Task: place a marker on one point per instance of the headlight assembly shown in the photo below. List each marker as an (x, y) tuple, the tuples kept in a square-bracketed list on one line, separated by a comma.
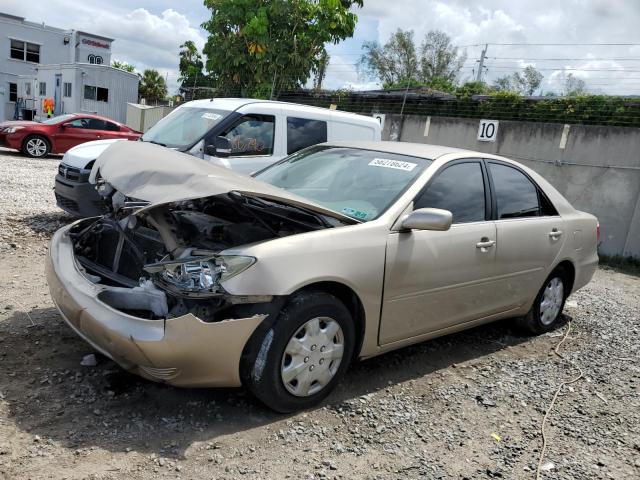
[(198, 276), (12, 129)]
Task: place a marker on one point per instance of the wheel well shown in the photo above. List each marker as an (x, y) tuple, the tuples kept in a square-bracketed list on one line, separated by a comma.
[(568, 267), (44, 137), (350, 300)]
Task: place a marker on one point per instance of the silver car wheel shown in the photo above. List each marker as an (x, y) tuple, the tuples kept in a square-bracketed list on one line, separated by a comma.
[(36, 147), (551, 301), (312, 357)]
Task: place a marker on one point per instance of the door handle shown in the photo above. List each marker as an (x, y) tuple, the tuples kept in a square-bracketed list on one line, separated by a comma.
[(555, 233), (485, 243)]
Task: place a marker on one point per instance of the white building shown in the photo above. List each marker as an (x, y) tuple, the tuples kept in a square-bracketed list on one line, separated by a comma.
[(71, 67)]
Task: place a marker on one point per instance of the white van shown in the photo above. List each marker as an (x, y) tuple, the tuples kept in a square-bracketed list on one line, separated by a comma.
[(244, 135)]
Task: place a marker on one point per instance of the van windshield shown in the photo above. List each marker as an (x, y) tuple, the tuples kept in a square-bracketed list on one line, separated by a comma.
[(184, 126)]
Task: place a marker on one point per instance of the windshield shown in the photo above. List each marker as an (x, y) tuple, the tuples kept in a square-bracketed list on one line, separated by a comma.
[(58, 119), (361, 184), (184, 126)]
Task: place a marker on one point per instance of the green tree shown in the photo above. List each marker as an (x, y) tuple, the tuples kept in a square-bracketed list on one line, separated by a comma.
[(192, 78), (256, 47), (439, 58), (436, 64), (152, 86), (573, 86), (395, 63), (321, 71), (525, 84), (468, 89), (123, 66)]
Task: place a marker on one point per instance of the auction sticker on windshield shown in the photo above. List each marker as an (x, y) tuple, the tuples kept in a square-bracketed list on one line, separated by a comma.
[(397, 164), (211, 116)]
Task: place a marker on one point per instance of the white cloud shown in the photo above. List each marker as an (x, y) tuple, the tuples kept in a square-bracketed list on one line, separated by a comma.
[(142, 38)]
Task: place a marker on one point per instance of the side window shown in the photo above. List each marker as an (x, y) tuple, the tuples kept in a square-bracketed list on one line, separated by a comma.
[(252, 135), (516, 196), (112, 127), (96, 124), (78, 123), (459, 189), (304, 132)]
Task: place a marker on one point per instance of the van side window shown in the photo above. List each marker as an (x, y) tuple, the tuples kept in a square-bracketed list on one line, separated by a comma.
[(304, 132), (252, 135)]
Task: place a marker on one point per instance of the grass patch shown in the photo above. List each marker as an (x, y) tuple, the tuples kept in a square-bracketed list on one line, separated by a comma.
[(625, 264)]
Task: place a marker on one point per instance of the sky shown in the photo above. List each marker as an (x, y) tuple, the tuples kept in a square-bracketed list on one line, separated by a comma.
[(148, 34)]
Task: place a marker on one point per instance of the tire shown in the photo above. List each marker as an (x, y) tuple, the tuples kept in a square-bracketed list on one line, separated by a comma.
[(36, 146), (289, 363), (546, 313)]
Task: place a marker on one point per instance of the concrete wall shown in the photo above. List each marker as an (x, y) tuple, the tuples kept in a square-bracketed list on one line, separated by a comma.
[(598, 170)]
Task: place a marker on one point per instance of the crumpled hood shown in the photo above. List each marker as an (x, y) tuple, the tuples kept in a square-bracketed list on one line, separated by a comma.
[(156, 174)]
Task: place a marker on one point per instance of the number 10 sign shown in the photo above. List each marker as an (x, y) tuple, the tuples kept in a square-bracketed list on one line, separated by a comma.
[(488, 130)]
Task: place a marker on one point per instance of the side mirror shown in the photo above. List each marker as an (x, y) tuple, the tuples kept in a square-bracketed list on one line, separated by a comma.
[(428, 219), (220, 149)]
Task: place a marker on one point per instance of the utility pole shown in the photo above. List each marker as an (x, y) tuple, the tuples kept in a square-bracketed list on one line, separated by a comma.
[(483, 55)]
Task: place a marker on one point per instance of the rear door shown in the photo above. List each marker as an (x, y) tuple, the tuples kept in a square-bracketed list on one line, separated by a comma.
[(530, 233)]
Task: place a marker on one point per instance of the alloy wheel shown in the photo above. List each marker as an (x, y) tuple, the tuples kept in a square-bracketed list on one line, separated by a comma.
[(36, 147), (312, 357)]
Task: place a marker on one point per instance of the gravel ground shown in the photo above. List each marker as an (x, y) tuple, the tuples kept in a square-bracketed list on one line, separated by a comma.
[(466, 406)]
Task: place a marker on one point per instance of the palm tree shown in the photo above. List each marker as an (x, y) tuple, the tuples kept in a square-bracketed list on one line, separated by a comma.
[(152, 86)]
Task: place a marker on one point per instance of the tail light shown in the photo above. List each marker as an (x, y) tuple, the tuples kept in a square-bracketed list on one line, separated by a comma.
[(598, 232)]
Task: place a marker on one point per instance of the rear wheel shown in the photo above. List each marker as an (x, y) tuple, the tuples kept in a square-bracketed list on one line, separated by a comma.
[(546, 312), (300, 358), (36, 146)]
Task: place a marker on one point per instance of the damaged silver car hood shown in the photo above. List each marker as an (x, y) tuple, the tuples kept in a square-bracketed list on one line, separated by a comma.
[(156, 174)]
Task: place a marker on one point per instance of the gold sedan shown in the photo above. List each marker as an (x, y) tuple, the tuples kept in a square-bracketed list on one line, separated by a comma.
[(199, 276)]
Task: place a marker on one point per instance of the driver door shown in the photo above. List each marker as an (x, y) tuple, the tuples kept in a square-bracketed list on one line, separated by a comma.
[(255, 140), (434, 280), (73, 133)]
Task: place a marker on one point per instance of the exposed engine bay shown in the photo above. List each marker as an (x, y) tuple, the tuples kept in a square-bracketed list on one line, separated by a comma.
[(165, 261)]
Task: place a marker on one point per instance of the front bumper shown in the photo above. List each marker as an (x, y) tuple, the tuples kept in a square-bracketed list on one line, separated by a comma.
[(183, 351), (80, 199)]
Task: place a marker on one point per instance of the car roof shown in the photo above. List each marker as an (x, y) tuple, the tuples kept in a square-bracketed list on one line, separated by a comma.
[(99, 117), (231, 104), (421, 150)]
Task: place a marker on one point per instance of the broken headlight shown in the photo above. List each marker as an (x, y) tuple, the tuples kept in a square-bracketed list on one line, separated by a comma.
[(197, 276)]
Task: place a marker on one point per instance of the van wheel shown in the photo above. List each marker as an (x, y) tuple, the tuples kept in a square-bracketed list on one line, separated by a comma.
[(36, 146), (546, 312), (300, 358)]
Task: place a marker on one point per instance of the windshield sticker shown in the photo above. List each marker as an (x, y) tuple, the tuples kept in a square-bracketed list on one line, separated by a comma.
[(211, 116), (397, 164), (352, 212)]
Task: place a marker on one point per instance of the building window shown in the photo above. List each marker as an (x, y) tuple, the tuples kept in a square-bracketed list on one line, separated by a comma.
[(13, 92), (25, 51), (98, 60), (67, 89), (27, 89), (95, 59), (96, 93), (102, 95), (43, 89), (92, 58)]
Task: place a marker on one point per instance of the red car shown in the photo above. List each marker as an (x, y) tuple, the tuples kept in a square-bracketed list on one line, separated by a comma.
[(59, 134)]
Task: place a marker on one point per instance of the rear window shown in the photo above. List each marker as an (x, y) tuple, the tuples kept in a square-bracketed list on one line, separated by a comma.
[(304, 132)]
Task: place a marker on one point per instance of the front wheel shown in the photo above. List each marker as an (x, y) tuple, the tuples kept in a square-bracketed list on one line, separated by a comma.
[(299, 359), (36, 146), (546, 312)]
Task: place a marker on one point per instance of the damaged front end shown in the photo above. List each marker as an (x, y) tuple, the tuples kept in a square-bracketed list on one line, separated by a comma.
[(146, 288), (168, 260)]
